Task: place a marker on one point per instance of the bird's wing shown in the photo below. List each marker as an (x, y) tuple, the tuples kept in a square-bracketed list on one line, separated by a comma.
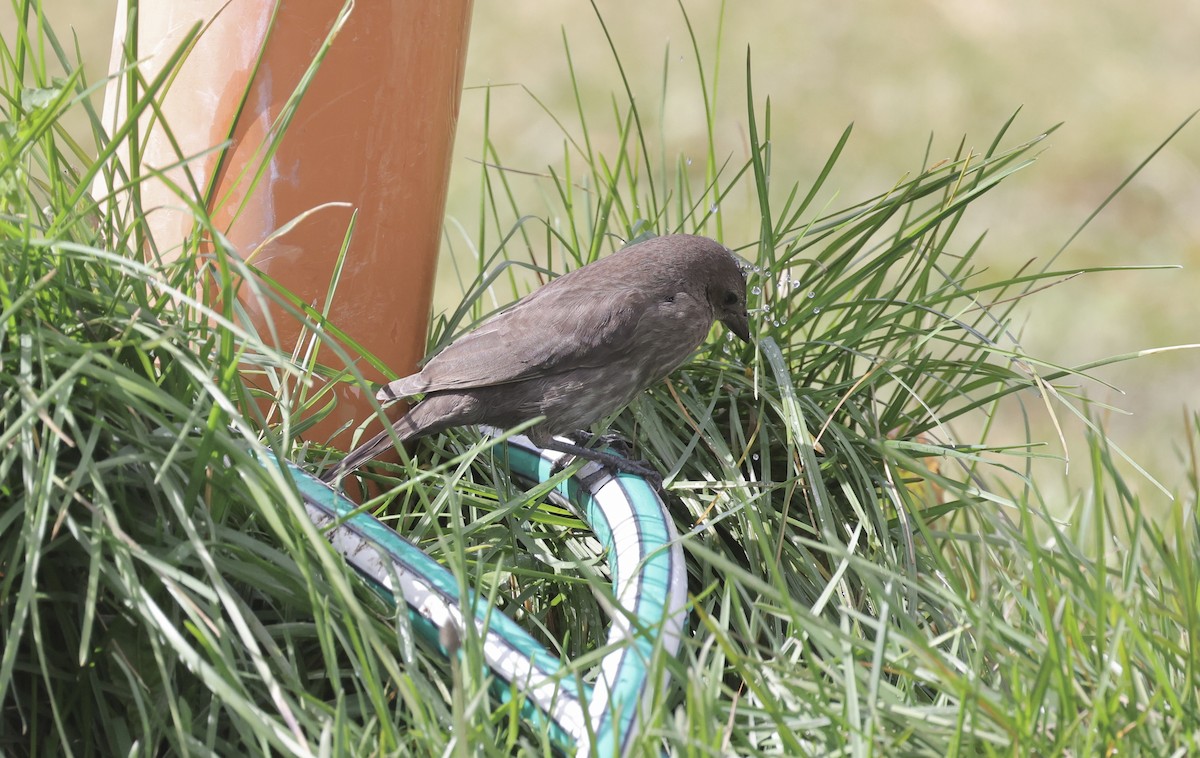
[(552, 330)]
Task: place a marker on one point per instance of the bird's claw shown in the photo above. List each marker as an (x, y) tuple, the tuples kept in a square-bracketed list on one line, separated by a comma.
[(647, 472), (611, 440), (618, 445), (612, 463)]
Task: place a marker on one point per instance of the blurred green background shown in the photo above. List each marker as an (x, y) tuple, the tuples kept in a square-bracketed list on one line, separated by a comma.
[(1121, 77)]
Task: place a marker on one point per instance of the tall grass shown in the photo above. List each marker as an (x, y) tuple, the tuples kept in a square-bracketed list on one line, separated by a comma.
[(160, 591), (872, 570)]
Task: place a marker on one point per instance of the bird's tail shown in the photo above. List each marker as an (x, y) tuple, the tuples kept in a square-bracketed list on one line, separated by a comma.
[(368, 450), (431, 415)]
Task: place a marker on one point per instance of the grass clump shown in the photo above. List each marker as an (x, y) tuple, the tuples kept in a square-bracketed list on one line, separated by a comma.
[(160, 590), (872, 571)]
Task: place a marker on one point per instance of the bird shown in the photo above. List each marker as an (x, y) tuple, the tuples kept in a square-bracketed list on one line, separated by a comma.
[(574, 350)]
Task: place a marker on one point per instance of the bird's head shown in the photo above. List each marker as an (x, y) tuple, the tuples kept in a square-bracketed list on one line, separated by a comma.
[(700, 268)]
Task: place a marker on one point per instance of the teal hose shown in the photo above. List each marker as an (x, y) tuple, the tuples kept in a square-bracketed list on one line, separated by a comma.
[(649, 585)]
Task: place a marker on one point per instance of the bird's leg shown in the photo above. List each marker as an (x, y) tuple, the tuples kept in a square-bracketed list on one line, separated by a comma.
[(618, 443), (608, 460)]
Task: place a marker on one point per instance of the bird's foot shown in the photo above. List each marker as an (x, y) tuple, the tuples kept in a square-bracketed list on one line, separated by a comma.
[(613, 463), (611, 440)]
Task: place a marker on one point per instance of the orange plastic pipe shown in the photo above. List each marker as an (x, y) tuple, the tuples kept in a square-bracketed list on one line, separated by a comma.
[(374, 131)]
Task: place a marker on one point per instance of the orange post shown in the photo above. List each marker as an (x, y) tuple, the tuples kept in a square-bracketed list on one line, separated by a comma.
[(374, 131)]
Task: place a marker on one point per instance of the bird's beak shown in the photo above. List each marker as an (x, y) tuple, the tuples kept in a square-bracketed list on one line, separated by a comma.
[(739, 324)]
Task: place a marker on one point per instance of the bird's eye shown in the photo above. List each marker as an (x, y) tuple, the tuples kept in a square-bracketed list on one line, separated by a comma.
[(669, 299), (731, 298)]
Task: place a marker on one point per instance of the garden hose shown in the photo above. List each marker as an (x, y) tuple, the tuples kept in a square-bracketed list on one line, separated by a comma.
[(649, 588)]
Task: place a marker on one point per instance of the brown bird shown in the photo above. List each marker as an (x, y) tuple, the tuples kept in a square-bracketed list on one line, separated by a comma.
[(576, 349)]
